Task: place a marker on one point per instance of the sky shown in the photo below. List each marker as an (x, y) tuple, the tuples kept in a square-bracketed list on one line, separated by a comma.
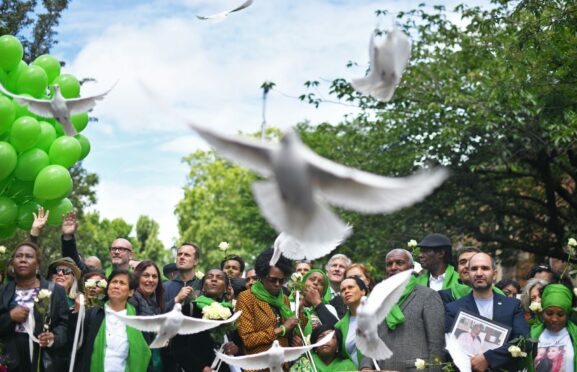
[(209, 72)]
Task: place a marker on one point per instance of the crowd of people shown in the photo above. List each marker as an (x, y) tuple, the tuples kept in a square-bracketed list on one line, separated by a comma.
[(67, 319)]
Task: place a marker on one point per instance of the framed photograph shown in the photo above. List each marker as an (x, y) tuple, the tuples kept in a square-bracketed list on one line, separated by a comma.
[(477, 334)]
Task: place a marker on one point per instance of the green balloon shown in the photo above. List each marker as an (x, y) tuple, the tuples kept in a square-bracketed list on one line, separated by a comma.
[(25, 133), (58, 128), (58, 208), (7, 114), (3, 77), (8, 211), (11, 52), (25, 214), (85, 144), (53, 182), (47, 136), (49, 64), (20, 191), (7, 232), (8, 159), (69, 85), (65, 151), (79, 121), (30, 163), (14, 74), (22, 110), (32, 81)]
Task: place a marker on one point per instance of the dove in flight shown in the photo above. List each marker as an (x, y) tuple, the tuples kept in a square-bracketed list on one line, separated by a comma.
[(222, 15), (294, 250), (299, 182), (388, 61), (460, 358), (168, 325), (373, 310), (273, 358), (58, 107)]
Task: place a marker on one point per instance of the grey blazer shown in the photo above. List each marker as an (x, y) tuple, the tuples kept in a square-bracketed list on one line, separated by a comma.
[(420, 336)]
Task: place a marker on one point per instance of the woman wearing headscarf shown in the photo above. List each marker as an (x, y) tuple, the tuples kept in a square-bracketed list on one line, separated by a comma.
[(352, 290), (109, 344), (328, 357), (17, 299), (315, 304), (557, 334), (266, 313)]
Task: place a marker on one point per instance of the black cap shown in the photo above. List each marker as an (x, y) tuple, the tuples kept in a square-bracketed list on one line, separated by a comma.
[(169, 268), (435, 241)]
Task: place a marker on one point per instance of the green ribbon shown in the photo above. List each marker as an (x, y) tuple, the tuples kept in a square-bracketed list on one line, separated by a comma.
[(138, 350), (396, 316), (203, 301), (451, 281), (343, 325), (277, 301)]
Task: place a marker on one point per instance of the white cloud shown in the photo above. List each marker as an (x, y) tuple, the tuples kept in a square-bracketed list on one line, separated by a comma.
[(184, 145)]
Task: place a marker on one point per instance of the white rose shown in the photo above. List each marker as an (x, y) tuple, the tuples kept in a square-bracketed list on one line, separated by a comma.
[(224, 312), (102, 283), (44, 293), (411, 244), (420, 364), (575, 291), (2, 249), (223, 246), (535, 307), (215, 311), (199, 275), (90, 283), (296, 277), (516, 351), (572, 242)]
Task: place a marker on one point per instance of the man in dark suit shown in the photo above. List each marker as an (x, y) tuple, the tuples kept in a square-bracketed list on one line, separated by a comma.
[(485, 302)]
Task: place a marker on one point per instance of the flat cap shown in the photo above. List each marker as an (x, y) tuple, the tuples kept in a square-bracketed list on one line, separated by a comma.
[(169, 268), (435, 241)]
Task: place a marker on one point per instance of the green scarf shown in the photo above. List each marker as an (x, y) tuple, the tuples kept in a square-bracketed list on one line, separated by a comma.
[(262, 294), (308, 312), (202, 301), (396, 316), (451, 281), (337, 365), (536, 331), (138, 350), (343, 325)]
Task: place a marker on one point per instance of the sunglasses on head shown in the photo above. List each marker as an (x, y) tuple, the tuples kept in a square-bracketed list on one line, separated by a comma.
[(63, 270)]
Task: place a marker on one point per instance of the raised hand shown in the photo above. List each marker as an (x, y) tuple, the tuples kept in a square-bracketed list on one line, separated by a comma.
[(40, 220), (69, 224)]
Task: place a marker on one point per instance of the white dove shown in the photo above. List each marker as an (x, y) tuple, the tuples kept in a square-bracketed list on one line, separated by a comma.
[(172, 323), (292, 249), (221, 15), (292, 200), (388, 61), (373, 310), (460, 358), (273, 358), (58, 107)]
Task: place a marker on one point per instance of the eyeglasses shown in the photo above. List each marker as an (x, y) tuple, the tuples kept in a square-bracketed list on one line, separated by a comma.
[(120, 249), (63, 270), (276, 280)]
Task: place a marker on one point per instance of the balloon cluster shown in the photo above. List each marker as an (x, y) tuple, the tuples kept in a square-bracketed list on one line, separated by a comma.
[(34, 152)]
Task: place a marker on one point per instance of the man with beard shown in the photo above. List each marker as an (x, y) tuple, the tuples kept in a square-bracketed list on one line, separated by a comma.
[(463, 258), (485, 302)]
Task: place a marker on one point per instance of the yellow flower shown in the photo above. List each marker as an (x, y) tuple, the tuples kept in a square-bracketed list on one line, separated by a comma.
[(535, 307), (412, 244), (223, 246), (420, 364)]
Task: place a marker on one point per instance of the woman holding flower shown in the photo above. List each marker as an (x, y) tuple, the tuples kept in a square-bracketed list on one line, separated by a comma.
[(266, 313), (110, 345), (213, 303), (531, 298), (94, 287), (29, 292), (557, 334)]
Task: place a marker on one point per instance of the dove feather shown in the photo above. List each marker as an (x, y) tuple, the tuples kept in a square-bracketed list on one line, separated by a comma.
[(292, 353), (195, 325), (145, 323), (386, 294), (249, 362), (221, 15), (461, 360), (292, 249)]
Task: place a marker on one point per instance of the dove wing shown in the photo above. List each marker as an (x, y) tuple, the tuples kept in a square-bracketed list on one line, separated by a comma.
[(248, 362), (461, 360), (293, 249), (367, 192), (195, 325), (249, 153), (246, 4), (36, 106), (83, 104), (292, 353), (151, 323), (401, 50), (365, 85), (386, 294)]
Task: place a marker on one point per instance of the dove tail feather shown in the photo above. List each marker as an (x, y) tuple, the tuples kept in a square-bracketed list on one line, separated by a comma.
[(275, 256), (362, 85), (319, 226), (376, 349), (159, 342)]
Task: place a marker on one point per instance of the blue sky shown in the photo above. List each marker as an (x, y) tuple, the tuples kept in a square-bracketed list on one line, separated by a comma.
[(209, 72)]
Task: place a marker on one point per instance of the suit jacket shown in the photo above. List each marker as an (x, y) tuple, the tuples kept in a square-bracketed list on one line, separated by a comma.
[(506, 311), (420, 336), (18, 353)]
